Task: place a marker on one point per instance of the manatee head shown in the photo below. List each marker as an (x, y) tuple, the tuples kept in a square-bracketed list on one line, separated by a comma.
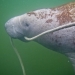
[(26, 25)]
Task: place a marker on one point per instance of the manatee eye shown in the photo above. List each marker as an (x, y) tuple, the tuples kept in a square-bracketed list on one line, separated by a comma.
[(24, 23), (27, 24)]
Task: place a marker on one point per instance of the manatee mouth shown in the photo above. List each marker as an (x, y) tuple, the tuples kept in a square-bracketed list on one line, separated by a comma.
[(51, 30)]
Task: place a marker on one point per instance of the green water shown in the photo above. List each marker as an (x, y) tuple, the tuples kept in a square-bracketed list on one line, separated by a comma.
[(37, 59)]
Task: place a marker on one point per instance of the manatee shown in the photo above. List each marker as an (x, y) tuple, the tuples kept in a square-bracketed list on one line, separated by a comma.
[(54, 28)]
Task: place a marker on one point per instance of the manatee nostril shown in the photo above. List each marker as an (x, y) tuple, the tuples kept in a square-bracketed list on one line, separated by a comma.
[(8, 23)]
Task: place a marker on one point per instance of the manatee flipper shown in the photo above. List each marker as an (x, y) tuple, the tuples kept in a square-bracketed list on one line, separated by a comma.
[(71, 57)]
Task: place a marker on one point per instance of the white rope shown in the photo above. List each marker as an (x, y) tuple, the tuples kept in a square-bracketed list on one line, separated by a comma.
[(18, 55), (52, 30)]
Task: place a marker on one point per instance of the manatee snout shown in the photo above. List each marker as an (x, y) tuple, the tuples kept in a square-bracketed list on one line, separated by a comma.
[(15, 28)]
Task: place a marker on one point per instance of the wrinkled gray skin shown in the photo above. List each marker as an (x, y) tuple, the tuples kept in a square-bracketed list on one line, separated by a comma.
[(62, 41)]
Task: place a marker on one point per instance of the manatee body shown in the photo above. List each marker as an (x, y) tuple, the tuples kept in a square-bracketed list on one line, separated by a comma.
[(36, 22)]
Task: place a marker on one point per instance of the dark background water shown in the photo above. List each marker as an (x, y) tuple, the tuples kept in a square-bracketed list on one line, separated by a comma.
[(37, 59)]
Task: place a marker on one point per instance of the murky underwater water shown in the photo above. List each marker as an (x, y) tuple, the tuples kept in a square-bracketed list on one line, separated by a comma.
[(37, 59)]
